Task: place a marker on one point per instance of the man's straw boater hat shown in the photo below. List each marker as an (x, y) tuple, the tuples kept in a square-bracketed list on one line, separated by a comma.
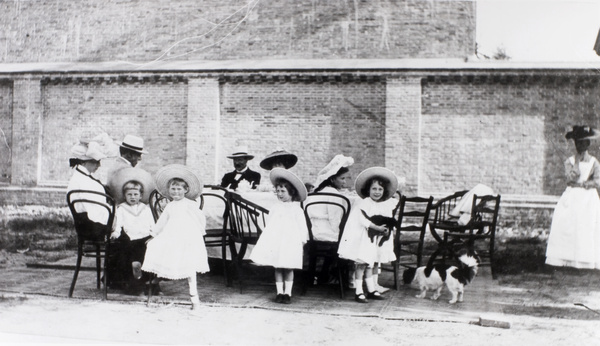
[(241, 151), (122, 176), (288, 159), (281, 173), (168, 172), (134, 143), (367, 174), (582, 132)]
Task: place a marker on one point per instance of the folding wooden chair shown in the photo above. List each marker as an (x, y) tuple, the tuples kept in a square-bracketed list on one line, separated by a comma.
[(97, 248), (325, 250), (481, 228), (246, 223), (413, 217)]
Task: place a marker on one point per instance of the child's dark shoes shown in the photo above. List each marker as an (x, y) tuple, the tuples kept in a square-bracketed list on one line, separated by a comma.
[(360, 298), (287, 299), (279, 298), (375, 295)]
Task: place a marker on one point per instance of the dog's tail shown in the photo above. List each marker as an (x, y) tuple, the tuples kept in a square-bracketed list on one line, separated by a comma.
[(468, 261), (466, 270), (409, 275)]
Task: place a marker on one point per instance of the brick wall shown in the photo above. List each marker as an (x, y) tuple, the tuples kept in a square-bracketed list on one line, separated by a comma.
[(6, 134), (507, 133), (145, 30), (75, 109), (316, 120)]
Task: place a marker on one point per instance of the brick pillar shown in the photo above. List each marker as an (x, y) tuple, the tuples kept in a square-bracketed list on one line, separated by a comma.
[(403, 127), (203, 128), (27, 119)]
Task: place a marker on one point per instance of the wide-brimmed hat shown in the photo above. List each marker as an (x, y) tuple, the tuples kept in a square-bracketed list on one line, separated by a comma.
[(87, 150), (333, 167), (372, 172), (281, 173), (122, 176), (168, 172), (582, 132), (288, 159), (133, 143), (241, 151)]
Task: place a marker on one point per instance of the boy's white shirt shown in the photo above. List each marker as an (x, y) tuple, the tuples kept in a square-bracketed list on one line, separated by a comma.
[(136, 220)]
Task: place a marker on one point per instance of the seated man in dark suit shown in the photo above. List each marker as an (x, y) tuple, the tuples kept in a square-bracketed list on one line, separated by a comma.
[(232, 180)]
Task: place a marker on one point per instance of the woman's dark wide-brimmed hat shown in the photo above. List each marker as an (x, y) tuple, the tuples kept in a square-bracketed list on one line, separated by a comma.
[(168, 172), (365, 176), (582, 132), (280, 173), (287, 159)]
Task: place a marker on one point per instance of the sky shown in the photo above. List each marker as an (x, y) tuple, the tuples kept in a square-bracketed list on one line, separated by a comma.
[(539, 30)]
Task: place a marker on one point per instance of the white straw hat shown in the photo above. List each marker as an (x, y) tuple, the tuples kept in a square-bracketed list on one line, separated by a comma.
[(372, 172), (134, 143), (281, 173), (168, 172), (122, 176), (241, 151)]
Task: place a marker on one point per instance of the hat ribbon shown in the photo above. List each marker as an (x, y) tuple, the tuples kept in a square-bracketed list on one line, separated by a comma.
[(129, 146)]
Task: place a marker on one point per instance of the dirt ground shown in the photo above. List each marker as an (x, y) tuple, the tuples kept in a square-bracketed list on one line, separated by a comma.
[(44, 320)]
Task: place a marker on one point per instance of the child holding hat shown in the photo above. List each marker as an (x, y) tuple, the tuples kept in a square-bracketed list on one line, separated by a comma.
[(282, 242), (376, 186), (133, 221), (177, 249)]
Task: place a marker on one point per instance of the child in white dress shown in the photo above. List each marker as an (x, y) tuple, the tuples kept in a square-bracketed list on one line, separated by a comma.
[(282, 242), (177, 250), (375, 185)]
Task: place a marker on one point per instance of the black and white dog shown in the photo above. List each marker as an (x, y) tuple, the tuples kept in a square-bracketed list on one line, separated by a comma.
[(433, 278)]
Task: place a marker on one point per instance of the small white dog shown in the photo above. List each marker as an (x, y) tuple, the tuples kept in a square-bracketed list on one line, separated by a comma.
[(433, 278)]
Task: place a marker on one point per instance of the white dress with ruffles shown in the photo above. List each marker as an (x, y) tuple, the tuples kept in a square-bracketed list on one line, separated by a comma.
[(574, 239), (356, 245), (281, 244), (178, 250)]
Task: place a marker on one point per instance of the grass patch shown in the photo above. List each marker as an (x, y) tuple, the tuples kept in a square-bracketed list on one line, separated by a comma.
[(520, 255), (45, 234)]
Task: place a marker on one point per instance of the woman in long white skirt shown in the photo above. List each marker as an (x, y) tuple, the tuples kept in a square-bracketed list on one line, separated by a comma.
[(574, 239)]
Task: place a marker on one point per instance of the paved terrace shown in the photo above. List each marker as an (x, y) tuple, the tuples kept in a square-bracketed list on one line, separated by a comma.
[(258, 293)]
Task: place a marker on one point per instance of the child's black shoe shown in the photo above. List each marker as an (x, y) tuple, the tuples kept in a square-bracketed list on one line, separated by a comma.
[(287, 299), (279, 298)]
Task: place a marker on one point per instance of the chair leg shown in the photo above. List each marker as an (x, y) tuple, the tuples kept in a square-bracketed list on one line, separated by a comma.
[(224, 259), (341, 274), (396, 266), (77, 267), (98, 266), (105, 282)]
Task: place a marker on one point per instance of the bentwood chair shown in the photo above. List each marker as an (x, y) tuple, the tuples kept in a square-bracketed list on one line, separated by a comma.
[(413, 217), (320, 249), (214, 198), (246, 223), (96, 248)]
